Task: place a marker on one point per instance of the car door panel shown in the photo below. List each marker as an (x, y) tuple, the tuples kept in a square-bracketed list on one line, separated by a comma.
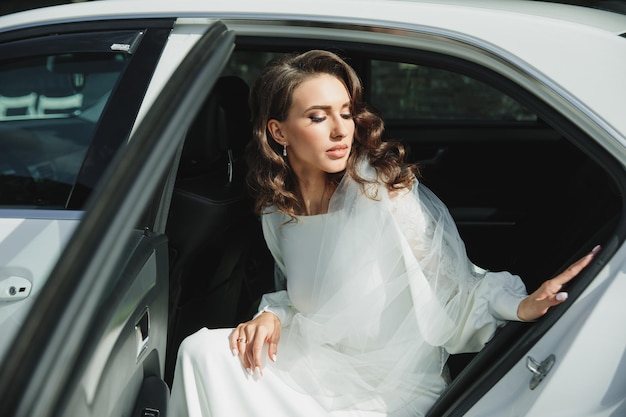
[(28, 250), (132, 344), (105, 320), (153, 398), (54, 150), (584, 328)]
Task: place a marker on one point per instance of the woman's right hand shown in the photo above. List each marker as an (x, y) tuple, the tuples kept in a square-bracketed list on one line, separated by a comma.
[(247, 341)]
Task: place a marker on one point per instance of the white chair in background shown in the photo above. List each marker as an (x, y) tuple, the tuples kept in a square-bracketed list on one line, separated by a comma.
[(22, 105), (56, 105)]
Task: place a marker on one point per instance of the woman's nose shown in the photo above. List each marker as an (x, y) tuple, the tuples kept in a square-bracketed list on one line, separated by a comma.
[(340, 127)]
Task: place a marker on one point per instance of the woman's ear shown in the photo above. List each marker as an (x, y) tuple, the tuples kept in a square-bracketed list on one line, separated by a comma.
[(273, 126)]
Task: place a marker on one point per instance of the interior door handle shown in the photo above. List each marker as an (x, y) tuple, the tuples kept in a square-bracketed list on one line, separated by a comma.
[(142, 330)]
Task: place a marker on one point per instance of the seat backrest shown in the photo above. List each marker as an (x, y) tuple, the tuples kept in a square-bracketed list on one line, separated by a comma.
[(210, 187), (209, 204), (210, 193)]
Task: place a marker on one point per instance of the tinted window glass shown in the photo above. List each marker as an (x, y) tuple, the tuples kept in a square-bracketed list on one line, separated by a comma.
[(49, 108), (415, 92), (248, 65)]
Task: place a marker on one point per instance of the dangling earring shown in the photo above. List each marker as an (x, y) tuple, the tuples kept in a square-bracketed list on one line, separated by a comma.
[(284, 149)]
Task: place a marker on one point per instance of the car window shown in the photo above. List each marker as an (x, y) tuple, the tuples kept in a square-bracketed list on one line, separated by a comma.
[(50, 106), (248, 64), (403, 91), (411, 92)]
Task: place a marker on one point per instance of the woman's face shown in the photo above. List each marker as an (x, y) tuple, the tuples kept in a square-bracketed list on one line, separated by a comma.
[(319, 128)]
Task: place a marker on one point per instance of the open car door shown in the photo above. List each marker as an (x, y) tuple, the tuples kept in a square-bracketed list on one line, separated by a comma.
[(93, 343)]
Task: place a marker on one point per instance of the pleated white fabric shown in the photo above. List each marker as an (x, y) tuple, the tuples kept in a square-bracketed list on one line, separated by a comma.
[(378, 292)]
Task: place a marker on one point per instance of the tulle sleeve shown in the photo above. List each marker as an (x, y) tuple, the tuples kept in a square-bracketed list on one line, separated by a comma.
[(493, 302), (277, 302), (469, 303)]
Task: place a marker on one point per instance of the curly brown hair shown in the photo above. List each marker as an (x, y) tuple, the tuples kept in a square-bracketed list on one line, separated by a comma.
[(269, 176)]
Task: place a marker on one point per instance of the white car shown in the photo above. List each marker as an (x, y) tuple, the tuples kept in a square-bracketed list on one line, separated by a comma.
[(125, 224)]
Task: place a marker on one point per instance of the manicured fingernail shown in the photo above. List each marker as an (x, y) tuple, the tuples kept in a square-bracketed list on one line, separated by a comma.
[(249, 370), (596, 249), (561, 296), (235, 352), (257, 371), (274, 358)]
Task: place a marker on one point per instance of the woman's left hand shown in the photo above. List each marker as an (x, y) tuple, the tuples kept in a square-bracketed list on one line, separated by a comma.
[(549, 294)]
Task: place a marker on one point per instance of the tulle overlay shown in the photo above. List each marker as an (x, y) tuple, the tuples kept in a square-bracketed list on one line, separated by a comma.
[(379, 287), (378, 292)]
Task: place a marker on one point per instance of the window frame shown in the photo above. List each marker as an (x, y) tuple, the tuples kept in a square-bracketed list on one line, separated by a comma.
[(116, 121)]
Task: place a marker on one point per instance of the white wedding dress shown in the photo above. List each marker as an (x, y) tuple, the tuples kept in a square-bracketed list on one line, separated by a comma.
[(378, 292)]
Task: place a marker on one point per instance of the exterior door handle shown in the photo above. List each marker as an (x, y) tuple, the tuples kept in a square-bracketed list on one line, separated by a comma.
[(14, 288), (539, 370)]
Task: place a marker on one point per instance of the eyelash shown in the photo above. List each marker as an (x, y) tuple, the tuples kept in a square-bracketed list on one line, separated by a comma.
[(314, 119)]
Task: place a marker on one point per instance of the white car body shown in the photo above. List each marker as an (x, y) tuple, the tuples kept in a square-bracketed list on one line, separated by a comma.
[(573, 59)]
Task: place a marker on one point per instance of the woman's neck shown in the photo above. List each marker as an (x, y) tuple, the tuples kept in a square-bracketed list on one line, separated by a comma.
[(315, 195)]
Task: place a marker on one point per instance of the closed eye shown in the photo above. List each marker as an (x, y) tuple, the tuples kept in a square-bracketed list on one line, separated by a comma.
[(317, 119)]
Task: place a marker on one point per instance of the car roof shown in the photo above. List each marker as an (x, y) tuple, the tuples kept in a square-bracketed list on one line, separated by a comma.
[(579, 51), (599, 19)]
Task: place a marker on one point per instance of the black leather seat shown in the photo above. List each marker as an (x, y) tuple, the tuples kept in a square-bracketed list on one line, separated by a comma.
[(209, 210)]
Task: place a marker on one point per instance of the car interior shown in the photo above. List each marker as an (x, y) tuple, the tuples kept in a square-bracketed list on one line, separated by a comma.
[(529, 191)]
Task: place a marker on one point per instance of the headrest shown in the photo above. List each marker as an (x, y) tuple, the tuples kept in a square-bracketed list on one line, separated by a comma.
[(222, 123), (232, 96)]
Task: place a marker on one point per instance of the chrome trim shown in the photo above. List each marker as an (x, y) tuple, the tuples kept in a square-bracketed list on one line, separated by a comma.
[(539, 370)]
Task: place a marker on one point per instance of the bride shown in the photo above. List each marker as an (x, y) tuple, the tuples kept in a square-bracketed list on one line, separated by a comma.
[(374, 287)]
